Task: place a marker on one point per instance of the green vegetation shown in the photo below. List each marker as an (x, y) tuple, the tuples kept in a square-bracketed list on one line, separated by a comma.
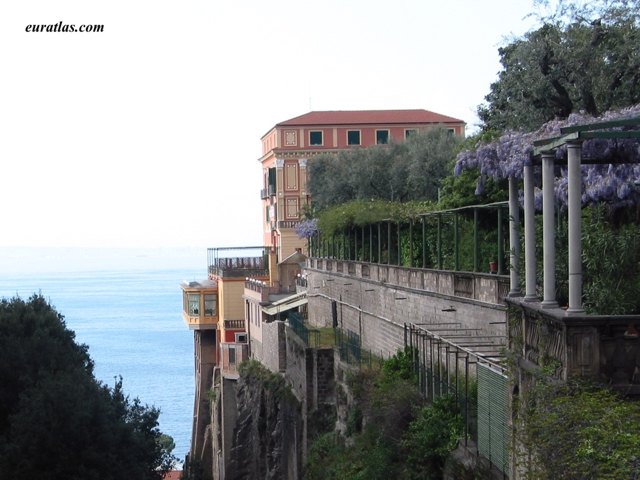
[(611, 252), (432, 436), (611, 260), (582, 57), (253, 370), (579, 430), (56, 420), (400, 172), (391, 432)]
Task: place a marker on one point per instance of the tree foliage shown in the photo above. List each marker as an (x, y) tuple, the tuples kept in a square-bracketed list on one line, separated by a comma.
[(399, 172), (582, 58), (365, 212), (579, 430), (431, 437), (397, 435), (56, 420)]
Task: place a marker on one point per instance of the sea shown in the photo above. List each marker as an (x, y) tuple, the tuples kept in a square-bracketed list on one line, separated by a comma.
[(126, 305)]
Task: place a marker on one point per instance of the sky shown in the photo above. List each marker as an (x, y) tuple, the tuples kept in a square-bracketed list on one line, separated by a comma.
[(147, 134)]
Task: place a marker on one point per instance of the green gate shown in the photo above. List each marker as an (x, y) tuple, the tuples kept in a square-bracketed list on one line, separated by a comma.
[(493, 425)]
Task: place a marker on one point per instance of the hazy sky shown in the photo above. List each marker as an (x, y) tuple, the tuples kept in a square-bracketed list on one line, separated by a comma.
[(148, 133)]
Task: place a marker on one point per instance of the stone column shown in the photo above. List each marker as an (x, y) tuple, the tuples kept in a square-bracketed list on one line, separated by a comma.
[(514, 240), (548, 233), (529, 236), (575, 227)]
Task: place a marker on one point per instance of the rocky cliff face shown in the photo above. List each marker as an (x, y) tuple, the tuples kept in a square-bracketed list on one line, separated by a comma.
[(267, 438)]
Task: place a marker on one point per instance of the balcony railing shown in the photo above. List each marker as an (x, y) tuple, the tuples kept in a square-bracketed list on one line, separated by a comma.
[(288, 223), (270, 191), (473, 285), (230, 262), (234, 324)]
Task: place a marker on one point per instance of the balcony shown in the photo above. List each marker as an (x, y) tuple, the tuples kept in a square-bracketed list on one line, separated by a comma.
[(234, 324), (260, 287), (270, 191), (562, 345), (200, 304), (240, 262), (288, 223)]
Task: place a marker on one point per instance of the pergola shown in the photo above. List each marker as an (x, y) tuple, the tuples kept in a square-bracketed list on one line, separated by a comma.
[(545, 154)]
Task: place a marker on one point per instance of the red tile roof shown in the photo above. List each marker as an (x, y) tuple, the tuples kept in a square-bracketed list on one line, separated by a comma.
[(368, 117), (172, 475)]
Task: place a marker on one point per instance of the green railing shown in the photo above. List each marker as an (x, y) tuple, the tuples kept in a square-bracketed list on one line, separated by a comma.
[(472, 238), (310, 337), (349, 346)]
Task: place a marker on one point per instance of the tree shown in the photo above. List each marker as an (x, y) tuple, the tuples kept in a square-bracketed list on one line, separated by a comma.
[(583, 58), (399, 172), (56, 420)]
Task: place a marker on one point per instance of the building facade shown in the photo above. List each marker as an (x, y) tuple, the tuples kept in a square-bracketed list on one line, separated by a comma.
[(290, 145)]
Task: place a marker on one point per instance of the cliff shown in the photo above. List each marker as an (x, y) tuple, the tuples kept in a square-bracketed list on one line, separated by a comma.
[(267, 438)]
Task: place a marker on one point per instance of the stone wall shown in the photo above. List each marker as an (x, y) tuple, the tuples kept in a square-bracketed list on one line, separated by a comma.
[(271, 351), (377, 307)]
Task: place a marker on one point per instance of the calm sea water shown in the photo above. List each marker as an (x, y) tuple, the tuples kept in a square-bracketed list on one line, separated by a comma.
[(126, 306)]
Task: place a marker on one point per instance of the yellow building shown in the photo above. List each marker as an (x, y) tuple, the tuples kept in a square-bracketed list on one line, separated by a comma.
[(214, 310)]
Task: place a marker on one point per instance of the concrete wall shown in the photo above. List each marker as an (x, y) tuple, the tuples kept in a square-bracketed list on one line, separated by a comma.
[(309, 372), (375, 303), (271, 351)]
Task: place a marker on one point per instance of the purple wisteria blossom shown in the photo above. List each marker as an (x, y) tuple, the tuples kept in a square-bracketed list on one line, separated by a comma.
[(307, 228), (615, 183)]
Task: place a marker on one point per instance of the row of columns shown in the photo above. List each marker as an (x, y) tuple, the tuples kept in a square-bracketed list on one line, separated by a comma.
[(548, 234)]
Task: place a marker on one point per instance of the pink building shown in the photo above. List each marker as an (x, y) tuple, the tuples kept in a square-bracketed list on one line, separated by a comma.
[(289, 145)]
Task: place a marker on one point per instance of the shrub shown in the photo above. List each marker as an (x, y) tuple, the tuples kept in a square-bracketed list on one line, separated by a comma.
[(431, 437), (580, 431)]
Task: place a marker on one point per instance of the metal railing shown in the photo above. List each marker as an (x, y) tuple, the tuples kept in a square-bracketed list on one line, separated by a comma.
[(349, 347), (238, 262), (310, 336)]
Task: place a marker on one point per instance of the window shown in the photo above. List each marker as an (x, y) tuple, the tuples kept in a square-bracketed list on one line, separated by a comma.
[(194, 304), (353, 137), (232, 356), (451, 131), (315, 137), (271, 185), (210, 305), (408, 132), (382, 137)]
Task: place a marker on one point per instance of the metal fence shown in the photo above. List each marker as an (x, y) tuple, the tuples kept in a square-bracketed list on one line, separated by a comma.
[(478, 385), (310, 336), (349, 347)]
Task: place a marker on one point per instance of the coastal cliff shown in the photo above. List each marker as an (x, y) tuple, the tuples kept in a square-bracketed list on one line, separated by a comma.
[(265, 440)]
